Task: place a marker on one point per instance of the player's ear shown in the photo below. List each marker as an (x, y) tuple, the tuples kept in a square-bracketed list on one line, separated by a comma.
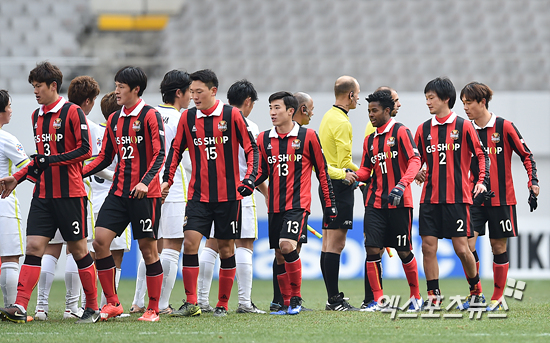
[(214, 90)]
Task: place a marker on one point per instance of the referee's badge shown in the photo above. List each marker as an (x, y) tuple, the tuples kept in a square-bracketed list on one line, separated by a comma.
[(454, 134), (391, 142), (136, 126), (222, 126), (57, 123), (296, 144), (495, 137)]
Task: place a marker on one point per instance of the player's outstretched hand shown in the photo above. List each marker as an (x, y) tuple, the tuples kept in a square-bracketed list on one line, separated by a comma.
[(396, 194), (140, 191), (532, 200), (350, 178), (33, 173), (8, 184), (246, 187), (330, 214), (42, 162)]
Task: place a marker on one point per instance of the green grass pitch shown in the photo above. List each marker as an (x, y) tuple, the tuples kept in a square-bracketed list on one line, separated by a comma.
[(527, 320)]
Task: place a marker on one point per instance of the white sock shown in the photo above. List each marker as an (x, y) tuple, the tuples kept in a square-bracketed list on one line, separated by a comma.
[(141, 285), (169, 259), (243, 257), (9, 275), (47, 273), (207, 260), (72, 283)]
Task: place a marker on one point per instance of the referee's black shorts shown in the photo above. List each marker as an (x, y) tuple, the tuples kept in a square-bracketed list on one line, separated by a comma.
[(344, 204)]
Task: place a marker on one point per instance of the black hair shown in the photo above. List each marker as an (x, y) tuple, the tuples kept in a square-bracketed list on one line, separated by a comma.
[(240, 91), (48, 73), (383, 97), (477, 91), (133, 77), (4, 100), (207, 76), (444, 89), (174, 80), (289, 99)]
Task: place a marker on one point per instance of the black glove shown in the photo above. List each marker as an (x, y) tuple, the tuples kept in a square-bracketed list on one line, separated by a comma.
[(482, 197), (33, 173), (246, 187), (330, 214), (396, 194), (42, 162), (532, 201)]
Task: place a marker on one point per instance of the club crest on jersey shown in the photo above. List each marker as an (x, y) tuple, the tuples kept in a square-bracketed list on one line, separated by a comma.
[(454, 134), (429, 138), (269, 147), (194, 129), (136, 126), (391, 142), (57, 123), (296, 144), (222, 126), (495, 137)]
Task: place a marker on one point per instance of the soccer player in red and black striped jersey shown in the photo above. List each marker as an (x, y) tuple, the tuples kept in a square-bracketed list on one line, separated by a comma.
[(288, 152), (59, 201), (500, 137), (134, 134), (213, 132), (446, 144), (391, 154)]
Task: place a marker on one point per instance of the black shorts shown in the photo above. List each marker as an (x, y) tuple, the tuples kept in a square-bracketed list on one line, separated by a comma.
[(344, 204), (225, 215), (289, 224), (445, 220), (69, 215), (303, 236), (502, 220), (143, 214), (388, 228)]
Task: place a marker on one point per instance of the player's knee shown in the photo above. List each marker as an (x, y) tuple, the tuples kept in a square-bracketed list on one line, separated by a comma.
[(428, 249), (287, 246)]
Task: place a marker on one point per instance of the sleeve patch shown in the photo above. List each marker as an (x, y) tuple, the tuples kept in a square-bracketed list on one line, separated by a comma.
[(19, 148), (83, 127)]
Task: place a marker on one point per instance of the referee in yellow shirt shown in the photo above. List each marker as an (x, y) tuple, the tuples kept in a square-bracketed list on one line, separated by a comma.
[(336, 137)]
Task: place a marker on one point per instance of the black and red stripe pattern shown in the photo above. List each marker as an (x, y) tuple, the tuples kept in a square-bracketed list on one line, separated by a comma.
[(288, 163), (393, 158), (500, 140), (138, 141), (64, 137), (213, 142), (447, 150)]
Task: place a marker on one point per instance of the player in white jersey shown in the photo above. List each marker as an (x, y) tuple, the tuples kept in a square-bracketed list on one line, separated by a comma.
[(12, 244), (82, 91), (101, 184), (175, 95), (241, 95)]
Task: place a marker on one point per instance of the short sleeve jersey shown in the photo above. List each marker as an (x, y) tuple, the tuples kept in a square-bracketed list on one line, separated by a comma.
[(12, 157)]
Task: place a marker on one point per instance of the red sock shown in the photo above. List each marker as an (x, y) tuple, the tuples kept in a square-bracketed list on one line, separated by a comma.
[(411, 271), (190, 278), (284, 285), (374, 279), (500, 273), (88, 279), (154, 285), (107, 280), (28, 278), (226, 278), (294, 272)]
